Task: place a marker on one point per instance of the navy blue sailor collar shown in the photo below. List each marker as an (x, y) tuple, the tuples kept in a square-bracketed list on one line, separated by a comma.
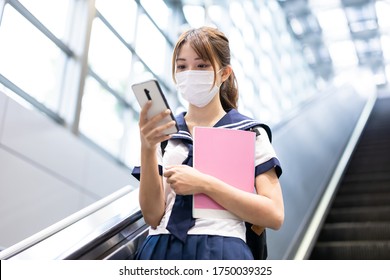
[(232, 120)]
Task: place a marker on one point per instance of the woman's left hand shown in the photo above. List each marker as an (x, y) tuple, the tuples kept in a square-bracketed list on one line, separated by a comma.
[(183, 179)]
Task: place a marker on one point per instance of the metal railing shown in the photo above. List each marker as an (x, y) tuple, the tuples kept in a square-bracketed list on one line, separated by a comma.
[(107, 219)]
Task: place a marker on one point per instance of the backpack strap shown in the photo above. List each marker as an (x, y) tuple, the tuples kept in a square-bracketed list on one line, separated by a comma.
[(256, 238), (257, 131)]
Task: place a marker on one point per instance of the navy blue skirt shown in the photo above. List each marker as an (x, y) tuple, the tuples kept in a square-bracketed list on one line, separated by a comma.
[(197, 247)]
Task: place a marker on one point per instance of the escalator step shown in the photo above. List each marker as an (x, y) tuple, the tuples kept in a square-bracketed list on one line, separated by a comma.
[(357, 200), (383, 164), (355, 231), (354, 250), (375, 148), (364, 187), (359, 214), (370, 176)]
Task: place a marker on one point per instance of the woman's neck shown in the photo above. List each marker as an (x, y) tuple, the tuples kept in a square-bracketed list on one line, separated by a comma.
[(206, 116)]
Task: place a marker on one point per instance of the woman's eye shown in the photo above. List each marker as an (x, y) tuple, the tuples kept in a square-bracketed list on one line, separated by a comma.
[(180, 67), (203, 66)]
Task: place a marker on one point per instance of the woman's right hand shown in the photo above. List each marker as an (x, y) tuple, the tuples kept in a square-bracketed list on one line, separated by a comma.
[(151, 132)]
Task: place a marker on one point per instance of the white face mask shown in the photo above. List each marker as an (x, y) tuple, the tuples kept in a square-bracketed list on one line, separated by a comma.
[(195, 86)]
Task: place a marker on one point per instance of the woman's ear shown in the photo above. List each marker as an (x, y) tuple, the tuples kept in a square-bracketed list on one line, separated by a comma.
[(226, 71)]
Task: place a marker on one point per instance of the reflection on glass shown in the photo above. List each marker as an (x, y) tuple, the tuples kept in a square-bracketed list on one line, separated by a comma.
[(383, 11), (266, 67), (248, 33), (216, 13), (385, 40), (236, 43), (266, 17), (238, 70), (334, 23), (387, 72), (53, 14), (343, 54), (266, 42), (140, 73), (297, 26), (247, 92), (309, 54), (29, 59), (109, 57), (132, 145), (250, 60), (237, 13), (285, 61), (158, 10), (195, 15), (122, 16), (151, 45), (102, 117)]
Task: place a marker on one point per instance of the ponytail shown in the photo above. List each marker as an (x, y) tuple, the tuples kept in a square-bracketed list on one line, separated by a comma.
[(229, 93)]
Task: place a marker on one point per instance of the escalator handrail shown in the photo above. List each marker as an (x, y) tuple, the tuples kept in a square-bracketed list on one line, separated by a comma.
[(85, 219)]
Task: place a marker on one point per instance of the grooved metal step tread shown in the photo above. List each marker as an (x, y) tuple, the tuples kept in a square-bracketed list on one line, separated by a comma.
[(355, 231), (356, 200), (365, 163), (353, 250), (359, 214), (377, 187), (369, 176)]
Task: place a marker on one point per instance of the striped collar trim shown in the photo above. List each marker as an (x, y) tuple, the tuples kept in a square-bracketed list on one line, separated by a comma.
[(244, 124), (182, 134)]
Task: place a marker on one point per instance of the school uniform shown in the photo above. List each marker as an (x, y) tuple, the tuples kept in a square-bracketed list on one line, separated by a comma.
[(207, 238)]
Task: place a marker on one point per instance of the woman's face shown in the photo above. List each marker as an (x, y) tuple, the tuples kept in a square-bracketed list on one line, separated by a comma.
[(188, 59)]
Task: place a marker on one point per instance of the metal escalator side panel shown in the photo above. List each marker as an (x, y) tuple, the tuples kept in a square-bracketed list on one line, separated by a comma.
[(77, 231)]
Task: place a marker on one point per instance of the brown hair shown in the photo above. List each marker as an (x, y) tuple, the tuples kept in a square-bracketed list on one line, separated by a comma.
[(211, 45)]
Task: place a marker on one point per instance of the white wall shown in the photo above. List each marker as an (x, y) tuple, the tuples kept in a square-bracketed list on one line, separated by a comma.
[(46, 173)]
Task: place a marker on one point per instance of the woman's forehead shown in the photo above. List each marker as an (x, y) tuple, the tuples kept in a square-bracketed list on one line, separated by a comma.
[(187, 53)]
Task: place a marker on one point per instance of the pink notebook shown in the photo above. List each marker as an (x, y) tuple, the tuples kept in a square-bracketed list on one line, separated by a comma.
[(228, 155)]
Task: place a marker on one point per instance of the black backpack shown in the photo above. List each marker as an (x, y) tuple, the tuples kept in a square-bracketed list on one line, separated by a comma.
[(256, 243)]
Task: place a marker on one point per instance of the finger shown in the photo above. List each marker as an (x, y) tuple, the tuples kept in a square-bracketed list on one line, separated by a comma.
[(151, 125), (164, 138), (168, 173), (151, 138), (171, 183), (171, 168), (168, 125), (144, 112), (157, 118), (160, 131)]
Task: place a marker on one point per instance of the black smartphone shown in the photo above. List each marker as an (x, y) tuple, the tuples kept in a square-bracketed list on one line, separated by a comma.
[(151, 90)]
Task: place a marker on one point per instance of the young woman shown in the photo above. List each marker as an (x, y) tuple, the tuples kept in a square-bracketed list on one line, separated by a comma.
[(203, 74)]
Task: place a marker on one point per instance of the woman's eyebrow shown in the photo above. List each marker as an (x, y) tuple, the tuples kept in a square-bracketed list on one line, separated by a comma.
[(183, 59)]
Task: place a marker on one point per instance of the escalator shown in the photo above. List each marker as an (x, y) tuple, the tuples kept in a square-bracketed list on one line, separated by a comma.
[(357, 225), (110, 229)]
